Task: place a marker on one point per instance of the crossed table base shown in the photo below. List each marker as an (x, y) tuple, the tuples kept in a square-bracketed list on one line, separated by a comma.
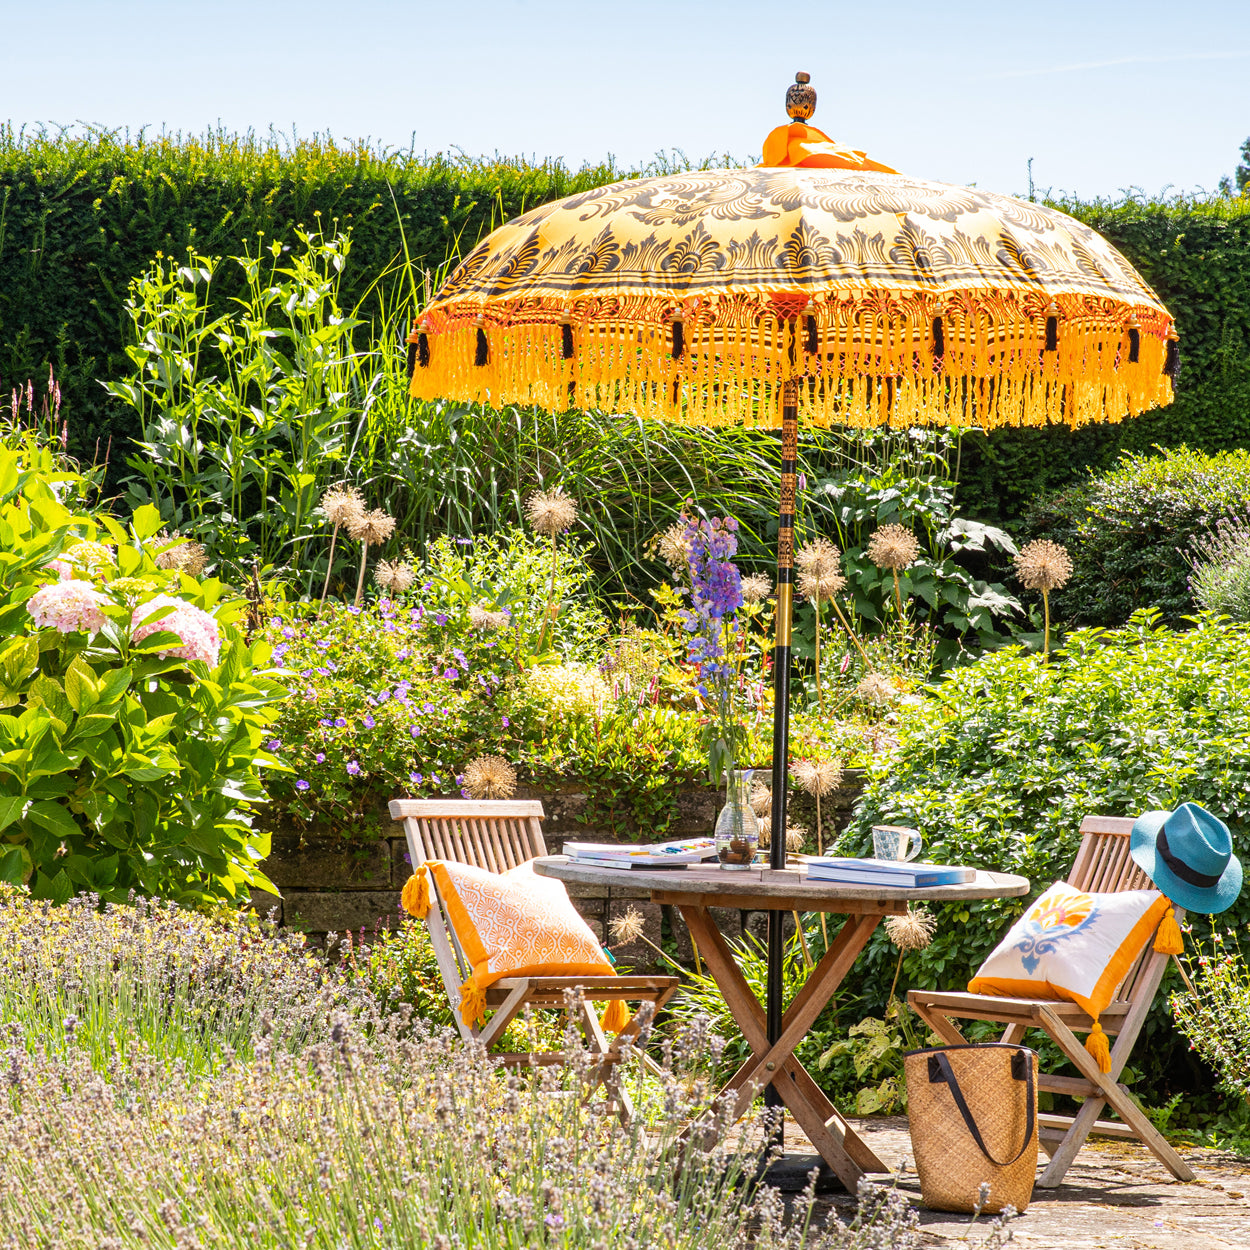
[(695, 891)]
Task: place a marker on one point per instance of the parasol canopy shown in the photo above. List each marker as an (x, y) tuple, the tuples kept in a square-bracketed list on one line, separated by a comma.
[(900, 301)]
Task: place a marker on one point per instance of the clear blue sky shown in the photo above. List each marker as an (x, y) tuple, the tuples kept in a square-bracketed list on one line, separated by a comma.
[(1103, 94)]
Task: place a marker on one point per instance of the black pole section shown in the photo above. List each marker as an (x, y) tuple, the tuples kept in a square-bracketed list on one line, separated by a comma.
[(781, 700)]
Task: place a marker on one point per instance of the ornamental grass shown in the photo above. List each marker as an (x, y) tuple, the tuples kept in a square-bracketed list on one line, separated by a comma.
[(174, 1081)]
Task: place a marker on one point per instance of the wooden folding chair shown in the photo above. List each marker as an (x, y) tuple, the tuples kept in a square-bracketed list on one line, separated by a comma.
[(496, 836), (1103, 865)]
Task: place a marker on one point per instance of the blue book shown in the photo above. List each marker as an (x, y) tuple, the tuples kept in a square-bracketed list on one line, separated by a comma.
[(898, 873)]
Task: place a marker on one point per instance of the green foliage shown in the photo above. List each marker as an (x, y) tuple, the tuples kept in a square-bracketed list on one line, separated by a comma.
[(1196, 255), (1130, 531), (1012, 752), (1215, 1014), (907, 480), (247, 414), (123, 765), (876, 1048), (81, 215)]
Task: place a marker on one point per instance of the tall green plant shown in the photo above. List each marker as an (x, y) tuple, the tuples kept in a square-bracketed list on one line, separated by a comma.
[(245, 415)]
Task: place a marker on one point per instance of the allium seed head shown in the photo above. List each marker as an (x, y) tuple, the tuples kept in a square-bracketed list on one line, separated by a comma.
[(490, 777), (913, 930), (821, 587), (818, 557), (817, 777), (876, 689), (756, 588), (551, 512), (342, 505), (484, 618), (893, 547), (186, 555), (1043, 565), (372, 527), (394, 575), (627, 928)]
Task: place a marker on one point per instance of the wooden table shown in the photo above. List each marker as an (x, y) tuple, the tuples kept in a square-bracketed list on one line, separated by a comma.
[(693, 891)]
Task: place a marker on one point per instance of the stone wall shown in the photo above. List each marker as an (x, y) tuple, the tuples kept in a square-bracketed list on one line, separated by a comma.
[(329, 886)]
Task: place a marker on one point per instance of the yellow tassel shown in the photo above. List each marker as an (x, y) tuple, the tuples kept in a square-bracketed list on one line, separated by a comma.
[(472, 1002), (416, 895), (615, 1016), (1168, 940), (1097, 1045)]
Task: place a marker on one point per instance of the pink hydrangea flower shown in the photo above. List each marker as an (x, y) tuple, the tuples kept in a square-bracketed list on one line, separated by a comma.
[(70, 607), (200, 634), (62, 568)]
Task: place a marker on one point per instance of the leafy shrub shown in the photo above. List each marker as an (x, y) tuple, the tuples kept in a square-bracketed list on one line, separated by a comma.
[(132, 754), (1130, 531), (1220, 581), (1010, 753)]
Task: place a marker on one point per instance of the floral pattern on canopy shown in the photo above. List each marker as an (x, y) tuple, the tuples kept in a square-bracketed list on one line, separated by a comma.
[(693, 297)]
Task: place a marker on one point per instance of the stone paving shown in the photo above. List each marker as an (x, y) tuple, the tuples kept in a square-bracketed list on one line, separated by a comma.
[(1116, 1194)]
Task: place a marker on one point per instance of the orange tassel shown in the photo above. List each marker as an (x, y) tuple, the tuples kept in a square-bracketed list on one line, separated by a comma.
[(472, 1002), (1099, 1048), (416, 894), (1168, 940), (615, 1016)]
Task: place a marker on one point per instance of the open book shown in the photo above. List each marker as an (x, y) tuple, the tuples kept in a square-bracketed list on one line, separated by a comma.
[(656, 855)]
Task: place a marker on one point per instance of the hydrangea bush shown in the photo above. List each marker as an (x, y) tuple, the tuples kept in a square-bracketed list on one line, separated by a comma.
[(134, 710)]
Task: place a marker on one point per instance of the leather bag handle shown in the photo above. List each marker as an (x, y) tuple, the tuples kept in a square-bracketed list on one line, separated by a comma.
[(940, 1070)]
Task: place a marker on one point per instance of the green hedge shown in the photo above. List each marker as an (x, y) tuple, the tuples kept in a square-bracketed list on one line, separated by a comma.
[(82, 215), (1196, 255)]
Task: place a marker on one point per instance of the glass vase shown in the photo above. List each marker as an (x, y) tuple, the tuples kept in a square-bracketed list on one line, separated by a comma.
[(737, 831)]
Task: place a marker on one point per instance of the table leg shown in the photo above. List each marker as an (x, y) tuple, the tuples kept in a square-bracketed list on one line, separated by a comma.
[(841, 1147)]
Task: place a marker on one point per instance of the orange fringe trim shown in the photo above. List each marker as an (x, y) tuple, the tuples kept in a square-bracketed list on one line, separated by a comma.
[(874, 362)]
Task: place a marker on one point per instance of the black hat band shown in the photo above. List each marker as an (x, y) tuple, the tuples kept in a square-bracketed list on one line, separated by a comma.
[(1182, 869)]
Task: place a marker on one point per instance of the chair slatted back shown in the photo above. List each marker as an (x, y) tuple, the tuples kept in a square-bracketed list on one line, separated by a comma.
[(484, 833), (492, 834), (1103, 865)]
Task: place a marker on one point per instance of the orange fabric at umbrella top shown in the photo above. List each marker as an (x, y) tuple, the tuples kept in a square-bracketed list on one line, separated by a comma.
[(805, 147)]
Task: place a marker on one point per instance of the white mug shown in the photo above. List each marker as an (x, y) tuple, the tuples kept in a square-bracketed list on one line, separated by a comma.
[(896, 842)]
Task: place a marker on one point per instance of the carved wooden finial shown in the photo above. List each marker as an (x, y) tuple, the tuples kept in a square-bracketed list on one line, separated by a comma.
[(801, 97)]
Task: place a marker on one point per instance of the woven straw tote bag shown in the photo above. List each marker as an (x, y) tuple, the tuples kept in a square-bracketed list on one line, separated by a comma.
[(972, 1111)]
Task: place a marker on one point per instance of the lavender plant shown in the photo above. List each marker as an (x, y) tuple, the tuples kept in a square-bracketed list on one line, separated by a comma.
[(315, 1120)]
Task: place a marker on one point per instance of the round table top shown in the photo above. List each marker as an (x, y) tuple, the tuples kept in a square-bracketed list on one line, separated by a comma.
[(789, 887)]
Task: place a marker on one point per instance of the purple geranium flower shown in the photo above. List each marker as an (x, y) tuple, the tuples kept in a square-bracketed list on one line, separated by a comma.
[(368, 721), (320, 757), (301, 784), (353, 769)]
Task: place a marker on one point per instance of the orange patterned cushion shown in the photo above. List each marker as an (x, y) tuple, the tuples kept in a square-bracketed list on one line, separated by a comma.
[(511, 924)]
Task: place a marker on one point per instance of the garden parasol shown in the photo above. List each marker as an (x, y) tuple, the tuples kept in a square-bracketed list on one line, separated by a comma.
[(818, 286)]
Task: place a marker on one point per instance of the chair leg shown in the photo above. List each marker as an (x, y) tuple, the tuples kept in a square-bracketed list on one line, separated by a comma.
[(1109, 1092), (609, 1073), (942, 1025)]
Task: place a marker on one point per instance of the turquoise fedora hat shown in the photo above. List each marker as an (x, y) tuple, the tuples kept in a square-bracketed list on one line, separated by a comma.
[(1188, 854)]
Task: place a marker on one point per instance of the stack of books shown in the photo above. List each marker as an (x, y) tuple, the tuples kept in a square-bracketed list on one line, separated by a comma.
[(658, 855), (905, 874)]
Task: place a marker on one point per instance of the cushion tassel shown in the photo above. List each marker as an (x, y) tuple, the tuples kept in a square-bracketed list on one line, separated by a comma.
[(1168, 940), (416, 895), (472, 1002), (615, 1016), (1098, 1047)]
